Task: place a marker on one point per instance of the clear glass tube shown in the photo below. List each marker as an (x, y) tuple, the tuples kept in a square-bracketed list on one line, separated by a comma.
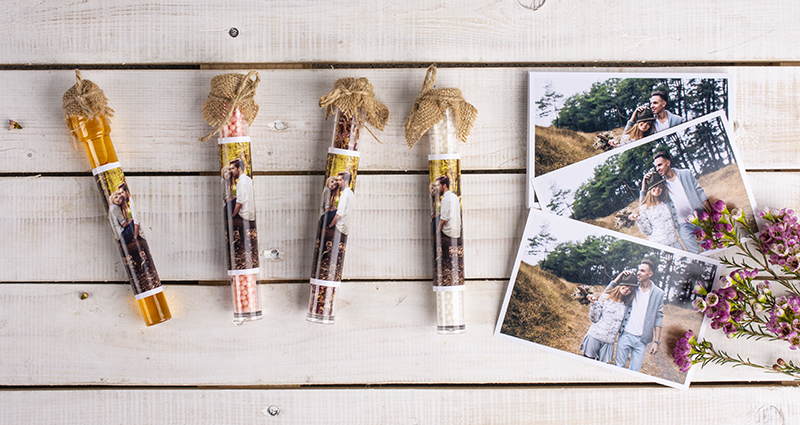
[(447, 237), (334, 224), (239, 214), (95, 135)]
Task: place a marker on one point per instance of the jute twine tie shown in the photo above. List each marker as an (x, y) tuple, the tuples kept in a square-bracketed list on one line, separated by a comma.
[(230, 91), (430, 107), (352, 94), (84, 99)]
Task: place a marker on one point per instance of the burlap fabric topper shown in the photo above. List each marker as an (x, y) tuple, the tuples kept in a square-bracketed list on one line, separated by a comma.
[(229, 91), (85, 99), (430, 107), (352, 94)]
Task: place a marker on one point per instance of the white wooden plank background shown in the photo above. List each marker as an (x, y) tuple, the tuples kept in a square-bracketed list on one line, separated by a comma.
[(384, 334), (66, 360), (158, 119), (508, 406), (360, 31), (57, 231)]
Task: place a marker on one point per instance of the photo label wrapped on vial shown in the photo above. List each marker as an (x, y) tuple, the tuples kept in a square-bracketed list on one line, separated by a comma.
[(335, 207), (446, 230), (239, 210), (127, 231)]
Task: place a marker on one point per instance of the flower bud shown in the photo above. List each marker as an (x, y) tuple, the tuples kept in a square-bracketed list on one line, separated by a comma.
[(700, 290)]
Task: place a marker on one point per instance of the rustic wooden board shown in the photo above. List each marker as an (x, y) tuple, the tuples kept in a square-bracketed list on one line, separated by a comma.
[(546, 406), (57, 230), (384, 334), (71, 361), (129, 32), (158, 119)]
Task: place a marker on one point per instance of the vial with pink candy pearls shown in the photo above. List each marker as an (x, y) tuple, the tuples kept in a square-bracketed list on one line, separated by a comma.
[(231, 108)]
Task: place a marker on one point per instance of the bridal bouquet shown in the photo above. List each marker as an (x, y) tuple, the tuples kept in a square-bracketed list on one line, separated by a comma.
[(744, 305)]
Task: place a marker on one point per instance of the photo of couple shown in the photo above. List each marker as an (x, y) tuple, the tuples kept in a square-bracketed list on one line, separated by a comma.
[(334, 225), (650, 189), (645, 120), (127, 231), (632, 308), (447, 241), (239, 209), (605, 299), (573, 116)]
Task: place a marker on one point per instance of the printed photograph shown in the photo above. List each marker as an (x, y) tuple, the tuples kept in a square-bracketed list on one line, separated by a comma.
[(129, 234), (649, 189), (604, 299), (239, 206), (336, 201), (574, 116), (446, 231)]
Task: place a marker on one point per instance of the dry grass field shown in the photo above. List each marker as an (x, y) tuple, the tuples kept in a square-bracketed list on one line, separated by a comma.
[(541, 311), (557, 148)]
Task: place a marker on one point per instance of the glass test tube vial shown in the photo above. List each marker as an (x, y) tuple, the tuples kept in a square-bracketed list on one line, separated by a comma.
[(241, 234), (333, 225), (447, 241), (95, 136)]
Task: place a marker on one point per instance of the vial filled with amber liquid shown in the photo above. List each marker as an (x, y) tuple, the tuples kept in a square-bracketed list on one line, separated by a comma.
[(94, 135)]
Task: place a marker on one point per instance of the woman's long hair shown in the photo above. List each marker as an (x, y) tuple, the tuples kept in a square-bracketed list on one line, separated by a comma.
[(615, 294), (334, 192), (434, 191), (651, 201), (636, 134), (227, 181)]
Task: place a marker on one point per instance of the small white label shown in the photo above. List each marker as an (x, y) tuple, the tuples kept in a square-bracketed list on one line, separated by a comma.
[(439, 156), (331, 283), (149, 293), (240, 139), (449, 288), (244, 271), (104, 168), (344, 152)]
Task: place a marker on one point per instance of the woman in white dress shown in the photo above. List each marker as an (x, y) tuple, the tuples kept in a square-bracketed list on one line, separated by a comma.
[(606, 314), (655, 218)]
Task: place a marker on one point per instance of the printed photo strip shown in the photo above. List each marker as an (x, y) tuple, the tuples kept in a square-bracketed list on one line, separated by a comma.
[(132, 244), (653, 187), (573, 116), (602, 298)]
